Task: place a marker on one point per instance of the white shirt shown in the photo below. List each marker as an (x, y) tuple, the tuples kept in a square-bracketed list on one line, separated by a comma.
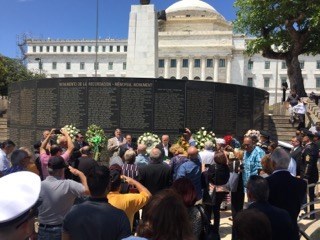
[(206, 157), (4, 161)]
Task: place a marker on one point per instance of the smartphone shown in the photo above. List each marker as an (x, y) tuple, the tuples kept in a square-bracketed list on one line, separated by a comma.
[(57, 131)]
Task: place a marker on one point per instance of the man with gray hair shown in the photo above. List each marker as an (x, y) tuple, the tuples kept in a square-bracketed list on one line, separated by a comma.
[(207, 155), (142, 158), (286, 191), (258, 193), (155, 176)]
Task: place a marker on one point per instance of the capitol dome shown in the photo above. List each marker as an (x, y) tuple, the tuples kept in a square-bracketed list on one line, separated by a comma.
[(191, 6)]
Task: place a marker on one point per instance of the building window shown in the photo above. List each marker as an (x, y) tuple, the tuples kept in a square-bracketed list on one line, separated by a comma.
[(40, 65), (96, 66), (54, 65), (318, 64), (82, 48), (267, 65), (283, 65), (34, 48), (48, 48), (161, 63), (209, 78), (61, 48), (196, 78), (118, 48), (250, 65), (54, 48), (75, 48), (96, 48), (318, 82), (185, 63), (185, 78), (173, 63), (266, 82), (41, 48), (110, 48), (197, 63), (103, 48), (89, 48), (68, 48), (209, 63), (68, 65), (110, 66), (125, 48), (302, 64), (283, 80), (222, 63), (250, 82), (82, 66), (124, 66)]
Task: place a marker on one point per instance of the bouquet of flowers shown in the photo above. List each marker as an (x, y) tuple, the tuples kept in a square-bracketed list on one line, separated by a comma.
[(203, 136), (72, 131), (149, 139), (96, 139)]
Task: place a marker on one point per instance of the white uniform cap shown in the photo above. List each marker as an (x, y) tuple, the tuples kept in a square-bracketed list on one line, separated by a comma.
[(220, 141), (18, 193)]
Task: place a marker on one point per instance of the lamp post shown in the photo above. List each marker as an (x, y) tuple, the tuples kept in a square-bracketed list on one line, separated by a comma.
[(40, 64)]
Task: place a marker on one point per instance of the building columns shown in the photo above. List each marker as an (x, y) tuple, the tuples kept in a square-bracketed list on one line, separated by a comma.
[(178, 74), (228, 73), (166, 68), (191, 65), (216, 69), (203, 69)]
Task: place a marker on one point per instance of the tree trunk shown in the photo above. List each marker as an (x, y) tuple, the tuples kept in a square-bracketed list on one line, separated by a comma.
[(295, 75)]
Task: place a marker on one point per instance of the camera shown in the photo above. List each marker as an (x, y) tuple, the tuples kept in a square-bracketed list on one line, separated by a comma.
[(57, 131)]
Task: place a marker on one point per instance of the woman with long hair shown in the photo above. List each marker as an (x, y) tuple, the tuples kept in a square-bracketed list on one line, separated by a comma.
[(165, 218), (185, 188)]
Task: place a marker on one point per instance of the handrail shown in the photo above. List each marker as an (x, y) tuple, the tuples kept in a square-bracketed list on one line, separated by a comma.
[(307, 214)]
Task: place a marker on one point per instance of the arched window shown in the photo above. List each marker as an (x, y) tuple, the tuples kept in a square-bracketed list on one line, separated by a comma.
[(173, 77), (209, 78), (196, 78), (161, 77), (184, 78)]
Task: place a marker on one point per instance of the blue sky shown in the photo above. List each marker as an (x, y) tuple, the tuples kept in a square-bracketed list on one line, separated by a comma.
[(74, 19)]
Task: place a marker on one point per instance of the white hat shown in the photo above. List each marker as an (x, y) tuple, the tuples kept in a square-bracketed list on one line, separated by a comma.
[(220, 141), (18, 193)]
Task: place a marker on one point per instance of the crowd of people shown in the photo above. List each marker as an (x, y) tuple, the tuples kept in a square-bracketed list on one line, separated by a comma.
[(173, 192)]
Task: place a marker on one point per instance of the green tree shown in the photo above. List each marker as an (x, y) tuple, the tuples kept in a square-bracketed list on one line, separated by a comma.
[(283, 29), (12, 70)]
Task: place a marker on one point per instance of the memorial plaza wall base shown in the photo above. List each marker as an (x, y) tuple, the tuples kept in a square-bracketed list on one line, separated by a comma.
[(136, 105)]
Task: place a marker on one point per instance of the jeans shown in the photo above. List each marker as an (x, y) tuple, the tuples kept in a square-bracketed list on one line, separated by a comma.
[(52, 233)]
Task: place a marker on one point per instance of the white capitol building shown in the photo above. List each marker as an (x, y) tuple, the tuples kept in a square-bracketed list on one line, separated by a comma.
[(195, 42)]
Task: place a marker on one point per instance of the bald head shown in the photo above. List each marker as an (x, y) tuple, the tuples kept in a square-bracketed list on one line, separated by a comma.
[(141, 149), (193, 152)]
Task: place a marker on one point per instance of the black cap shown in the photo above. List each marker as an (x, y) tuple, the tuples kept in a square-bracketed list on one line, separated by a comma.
[(264, 134), (306, 132), (57, 162)]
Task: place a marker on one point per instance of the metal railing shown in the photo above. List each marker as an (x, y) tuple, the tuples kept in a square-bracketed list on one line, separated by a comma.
[(306, 207)]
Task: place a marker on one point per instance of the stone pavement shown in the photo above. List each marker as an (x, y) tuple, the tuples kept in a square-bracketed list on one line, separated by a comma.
[(310, 226)]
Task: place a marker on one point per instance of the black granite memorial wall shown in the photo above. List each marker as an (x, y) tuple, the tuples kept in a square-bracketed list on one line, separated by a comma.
[(132, 104)]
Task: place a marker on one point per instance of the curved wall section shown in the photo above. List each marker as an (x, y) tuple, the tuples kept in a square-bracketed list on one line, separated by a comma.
[(135, 105)]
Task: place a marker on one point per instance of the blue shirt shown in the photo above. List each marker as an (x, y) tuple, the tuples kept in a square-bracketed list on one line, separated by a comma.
[(192, 170), (251, 162), (141, 160)]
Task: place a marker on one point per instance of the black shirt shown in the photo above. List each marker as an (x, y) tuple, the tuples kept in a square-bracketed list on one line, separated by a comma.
[(96, 219)]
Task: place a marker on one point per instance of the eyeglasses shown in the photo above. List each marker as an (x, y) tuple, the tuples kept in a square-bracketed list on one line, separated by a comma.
[(246, 145)]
